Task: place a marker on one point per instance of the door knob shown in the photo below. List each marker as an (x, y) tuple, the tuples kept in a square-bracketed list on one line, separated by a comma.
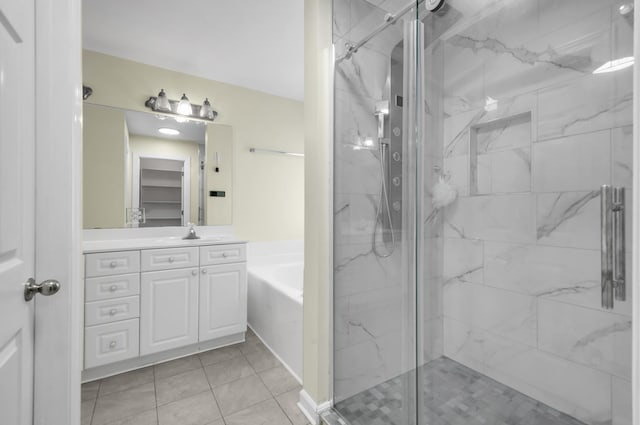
[(48, 287)]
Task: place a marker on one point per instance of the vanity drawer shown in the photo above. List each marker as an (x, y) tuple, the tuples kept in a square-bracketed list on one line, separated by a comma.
[(169, 258), (111, 342), (220, 254), (108, 311), (107, 287), (110, 263)]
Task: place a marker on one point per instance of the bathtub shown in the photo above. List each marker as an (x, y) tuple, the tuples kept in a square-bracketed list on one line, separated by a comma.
[(275, 298)]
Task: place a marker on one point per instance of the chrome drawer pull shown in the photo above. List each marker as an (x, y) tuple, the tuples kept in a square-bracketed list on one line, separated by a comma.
[(113, 312), (113, 288), (113, 264), (113, 344)]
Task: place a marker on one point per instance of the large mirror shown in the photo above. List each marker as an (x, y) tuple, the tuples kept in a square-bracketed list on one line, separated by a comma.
[(145, 169)]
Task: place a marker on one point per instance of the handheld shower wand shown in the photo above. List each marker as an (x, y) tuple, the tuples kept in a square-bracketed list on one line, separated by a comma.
[(383, 213)]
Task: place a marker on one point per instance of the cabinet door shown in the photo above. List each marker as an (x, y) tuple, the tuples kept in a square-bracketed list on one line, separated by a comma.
[(168, 310), (223, 300)]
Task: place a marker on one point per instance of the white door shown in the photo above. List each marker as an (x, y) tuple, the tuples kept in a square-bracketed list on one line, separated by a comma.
[(223, 300), (168, 310), (17, 188)]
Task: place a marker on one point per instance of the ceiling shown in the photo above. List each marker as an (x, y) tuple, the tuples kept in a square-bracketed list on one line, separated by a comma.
[(256, 44), (146, 124)]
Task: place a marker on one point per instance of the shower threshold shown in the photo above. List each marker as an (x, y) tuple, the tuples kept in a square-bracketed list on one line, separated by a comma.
[(453, 395)]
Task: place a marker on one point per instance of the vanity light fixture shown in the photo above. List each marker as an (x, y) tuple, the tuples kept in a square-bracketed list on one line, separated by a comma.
[(168, 131), (181, 108)]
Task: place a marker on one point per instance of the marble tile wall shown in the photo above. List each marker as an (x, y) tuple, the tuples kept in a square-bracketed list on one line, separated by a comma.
[(521, 288)]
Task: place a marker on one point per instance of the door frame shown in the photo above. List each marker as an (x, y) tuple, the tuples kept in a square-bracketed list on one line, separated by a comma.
[(58, 242)]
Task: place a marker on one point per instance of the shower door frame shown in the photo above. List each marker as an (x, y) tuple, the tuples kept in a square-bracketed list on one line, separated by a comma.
[(635, 231)]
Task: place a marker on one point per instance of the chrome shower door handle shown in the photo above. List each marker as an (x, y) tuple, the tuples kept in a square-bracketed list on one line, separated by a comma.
[(619, 263), (606, 247), (612, 242)]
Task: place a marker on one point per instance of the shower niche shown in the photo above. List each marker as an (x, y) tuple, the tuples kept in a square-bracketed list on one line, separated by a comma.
[(500, 155)]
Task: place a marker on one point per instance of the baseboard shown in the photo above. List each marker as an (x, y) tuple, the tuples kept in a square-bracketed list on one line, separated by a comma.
[(310, 408)]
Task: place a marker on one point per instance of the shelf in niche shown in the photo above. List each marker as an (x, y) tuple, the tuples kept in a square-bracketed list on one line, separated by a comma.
[(163, 218), (146, 169), (162, 186), (162, 202)]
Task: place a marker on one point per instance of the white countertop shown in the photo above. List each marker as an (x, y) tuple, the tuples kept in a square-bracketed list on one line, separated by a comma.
[(102, 240)]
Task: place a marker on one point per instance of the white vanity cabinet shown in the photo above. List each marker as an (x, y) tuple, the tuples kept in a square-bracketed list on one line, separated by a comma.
[(143, 304), (223, 300), (111, 307), (169, 310)]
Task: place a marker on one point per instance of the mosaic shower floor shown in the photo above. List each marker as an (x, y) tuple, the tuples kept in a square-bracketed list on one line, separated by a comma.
[(453, 395)]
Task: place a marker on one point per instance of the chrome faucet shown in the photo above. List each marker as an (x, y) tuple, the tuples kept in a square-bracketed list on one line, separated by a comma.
[(192, 233)]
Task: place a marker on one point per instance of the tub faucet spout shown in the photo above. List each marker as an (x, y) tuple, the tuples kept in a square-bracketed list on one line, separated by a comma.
[(192, 233)]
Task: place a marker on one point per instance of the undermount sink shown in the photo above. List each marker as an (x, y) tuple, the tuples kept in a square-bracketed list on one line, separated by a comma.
[(172, 239)]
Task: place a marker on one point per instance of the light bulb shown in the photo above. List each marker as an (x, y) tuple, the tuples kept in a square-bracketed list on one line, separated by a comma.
[(184, 107), (162, 102), (169, 131), (206, 111)]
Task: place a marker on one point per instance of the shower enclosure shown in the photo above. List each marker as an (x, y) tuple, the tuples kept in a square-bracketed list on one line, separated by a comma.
[(482, 196)]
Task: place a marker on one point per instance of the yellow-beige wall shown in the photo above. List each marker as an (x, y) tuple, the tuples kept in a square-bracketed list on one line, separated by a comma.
[(268, 190), (103, 196)]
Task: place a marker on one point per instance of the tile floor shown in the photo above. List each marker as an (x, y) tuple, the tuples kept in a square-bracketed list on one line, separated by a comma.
[(453, 395), (243, 384)]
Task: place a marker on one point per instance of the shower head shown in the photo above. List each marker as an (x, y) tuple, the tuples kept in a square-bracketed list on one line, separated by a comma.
[(381, 108), (381, 111)]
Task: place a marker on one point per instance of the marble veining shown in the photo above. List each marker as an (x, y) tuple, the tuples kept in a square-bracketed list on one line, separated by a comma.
[(570, 62), (559, 213)]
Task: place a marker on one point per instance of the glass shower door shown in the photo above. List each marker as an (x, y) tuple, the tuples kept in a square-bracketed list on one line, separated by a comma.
[(375, 234), (528, 113)]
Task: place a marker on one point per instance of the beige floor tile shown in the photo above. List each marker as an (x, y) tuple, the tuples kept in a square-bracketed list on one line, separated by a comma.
[(240, 394), (219, 355), (120, 405), (265, 413), (177, 366), (149, 417), (228, 371), (278, 380), (217, 422), (86, 409), (125, 381), (289, 403), (90, 390), (261, 359), (180, 386), (200, 409)]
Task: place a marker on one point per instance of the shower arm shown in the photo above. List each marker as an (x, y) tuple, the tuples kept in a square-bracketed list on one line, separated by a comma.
[(389, 19)]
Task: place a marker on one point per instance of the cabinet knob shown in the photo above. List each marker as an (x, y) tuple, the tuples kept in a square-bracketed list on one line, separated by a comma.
[(113, 344), (194, 272), (113, 264), (113, 288), (204, 271), (113, 311), (171, 259), (224, 255)]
